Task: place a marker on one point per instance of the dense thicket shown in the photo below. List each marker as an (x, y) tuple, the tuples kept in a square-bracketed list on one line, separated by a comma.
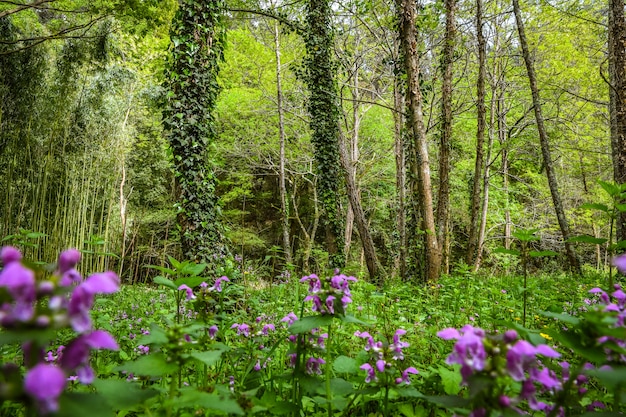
[(84, 161)]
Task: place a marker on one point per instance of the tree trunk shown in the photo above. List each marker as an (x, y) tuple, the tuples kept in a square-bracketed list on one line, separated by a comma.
[(191, 82), (574, 264), (284, 206), (481, 111), (398, 120), (617, 97), (408, 37), (371, 260), (353, 155), (324, 122), (443, 197)]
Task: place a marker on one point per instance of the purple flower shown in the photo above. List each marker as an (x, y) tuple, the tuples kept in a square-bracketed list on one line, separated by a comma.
[(45, 383), (68, 260), (315, 284), (70, 277), (313, 366), (188, 290), (212, 331), (76, 354), (405, 375), (218, 284), (20, 283), (9, 254), (289, 318), (330, 304), (620, 263), (371, 372), (521, 357), (242, 329), (469, 351), (82, 298)]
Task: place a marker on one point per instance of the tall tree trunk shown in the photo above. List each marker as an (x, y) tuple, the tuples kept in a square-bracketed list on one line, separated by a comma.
[(371, 260), (617, 96), (191, 80), (284, 206), (443, 197), (481, 111), (353, 154), (399, 121), (574, 264), (324, 111), (408, 38), (482, 229)]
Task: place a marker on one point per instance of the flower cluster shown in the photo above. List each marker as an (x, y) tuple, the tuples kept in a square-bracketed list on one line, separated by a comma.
[(330, 296), (385, 356), (502, 359), (65, 300)]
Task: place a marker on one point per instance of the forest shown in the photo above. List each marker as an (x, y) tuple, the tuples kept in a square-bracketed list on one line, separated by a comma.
[(431, 170)]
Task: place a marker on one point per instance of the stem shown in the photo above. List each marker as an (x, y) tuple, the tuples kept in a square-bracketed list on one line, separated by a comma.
[(386, 403), (329, 393)]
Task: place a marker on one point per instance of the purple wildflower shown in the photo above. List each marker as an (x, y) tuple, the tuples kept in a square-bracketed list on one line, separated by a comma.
[(289, 318), (188, 290), (76, 355), (45, 383), (68, 260), (9, 254), (405, 375), (218, 284), (212, 331), (371, 372)]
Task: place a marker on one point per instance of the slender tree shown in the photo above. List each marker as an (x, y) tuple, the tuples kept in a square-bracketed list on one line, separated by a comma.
[(481, 112), (284, 205), (543, 140), (324, 112), (617, 97), (445, 143), (197, 40), (419, 157)]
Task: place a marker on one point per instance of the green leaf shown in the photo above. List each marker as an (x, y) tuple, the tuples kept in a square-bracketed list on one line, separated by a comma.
[(351, 319), (448, 401), (191, 282), (157, 336), (161, 280), (161, 269), (565, 318), (507, 251), (526, 235), (195, 399), (149, 365), (612, 189), (306, 324), (595, 206), (450, 379), (541, 253), (345, 365), (341, 387), (122, 395), (209, 358), (587, 239), (74, 404)]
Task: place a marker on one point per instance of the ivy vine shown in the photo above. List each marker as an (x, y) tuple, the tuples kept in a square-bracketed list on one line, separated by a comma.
[(323, 108), (197, 44)]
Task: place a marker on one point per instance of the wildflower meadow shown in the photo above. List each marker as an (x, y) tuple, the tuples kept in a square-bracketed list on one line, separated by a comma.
[(195, 344)]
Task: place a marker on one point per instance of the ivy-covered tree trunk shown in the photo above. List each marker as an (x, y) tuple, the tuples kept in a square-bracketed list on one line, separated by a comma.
[(197, 39), (324, 112)]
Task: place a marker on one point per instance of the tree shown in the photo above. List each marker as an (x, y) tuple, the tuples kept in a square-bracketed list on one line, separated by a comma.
[(197, 41), (419, 157), (324, 112), (617, 98), (543, 140)]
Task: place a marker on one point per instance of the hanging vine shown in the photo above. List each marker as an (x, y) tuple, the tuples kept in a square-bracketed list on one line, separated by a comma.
[(197, 42)]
